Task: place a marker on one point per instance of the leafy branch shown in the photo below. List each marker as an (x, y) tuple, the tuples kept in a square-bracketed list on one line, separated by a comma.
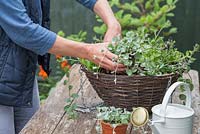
[(71, 107), (152, 14)]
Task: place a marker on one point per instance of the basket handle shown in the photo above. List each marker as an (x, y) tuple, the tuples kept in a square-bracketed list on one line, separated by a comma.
[(169, 93)]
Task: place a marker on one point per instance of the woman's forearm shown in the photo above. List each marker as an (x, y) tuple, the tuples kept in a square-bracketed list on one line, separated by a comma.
[(97, 53), (67, 47), (105, 12)]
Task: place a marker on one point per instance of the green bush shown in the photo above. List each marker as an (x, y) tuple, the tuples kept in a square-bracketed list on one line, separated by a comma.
[(152, 14)]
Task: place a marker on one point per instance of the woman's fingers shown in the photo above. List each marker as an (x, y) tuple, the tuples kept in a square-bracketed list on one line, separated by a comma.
[(111, 56), (113, 66), (104, 58), (114, 59)]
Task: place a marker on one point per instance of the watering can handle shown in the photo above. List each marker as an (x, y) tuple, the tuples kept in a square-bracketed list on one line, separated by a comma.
[(169, 93)]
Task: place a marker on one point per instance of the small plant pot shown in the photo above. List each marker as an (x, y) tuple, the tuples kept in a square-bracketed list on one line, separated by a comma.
[(108, 129)]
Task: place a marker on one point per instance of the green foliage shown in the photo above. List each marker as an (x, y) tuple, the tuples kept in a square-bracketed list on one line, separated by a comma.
[(152, 14), (188, 81), (70, 107), (80, 37), (143, 54), (89, 65), (182, 88), (61, 33), (114, 116), (45, 86)]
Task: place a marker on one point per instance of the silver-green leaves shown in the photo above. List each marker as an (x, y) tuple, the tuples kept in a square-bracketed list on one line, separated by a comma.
[(114, 116), (151, 55)]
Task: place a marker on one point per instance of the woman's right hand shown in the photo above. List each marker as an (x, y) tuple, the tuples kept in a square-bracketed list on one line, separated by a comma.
[(100, 55), (97, 53)]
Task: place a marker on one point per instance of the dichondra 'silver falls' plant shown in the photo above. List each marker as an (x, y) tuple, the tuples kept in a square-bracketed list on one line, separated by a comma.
[(150, 55), (113, 116)]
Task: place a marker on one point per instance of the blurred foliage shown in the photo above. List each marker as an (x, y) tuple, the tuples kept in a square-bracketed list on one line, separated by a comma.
[(152, 14), (80, 37), (46, 85)]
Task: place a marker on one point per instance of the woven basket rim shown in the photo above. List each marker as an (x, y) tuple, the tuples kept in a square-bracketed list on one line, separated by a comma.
[(133, 76)]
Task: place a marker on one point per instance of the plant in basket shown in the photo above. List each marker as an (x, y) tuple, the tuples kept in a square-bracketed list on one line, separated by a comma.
[(152, 65), (150, 55), (113, 120)]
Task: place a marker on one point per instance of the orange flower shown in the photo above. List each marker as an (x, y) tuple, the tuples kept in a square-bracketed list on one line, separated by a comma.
[(58, 56), (42, 73), (68, 66), (63, 64)]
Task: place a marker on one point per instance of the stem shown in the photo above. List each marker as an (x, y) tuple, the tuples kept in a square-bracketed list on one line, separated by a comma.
[(142, 7)]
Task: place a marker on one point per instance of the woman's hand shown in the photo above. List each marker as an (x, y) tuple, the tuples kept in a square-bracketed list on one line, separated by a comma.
[(100, 55), (97, 53), (114, 30), (105, 12)]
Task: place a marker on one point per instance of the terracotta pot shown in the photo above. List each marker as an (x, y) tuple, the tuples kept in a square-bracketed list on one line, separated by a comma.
[(108, 129)]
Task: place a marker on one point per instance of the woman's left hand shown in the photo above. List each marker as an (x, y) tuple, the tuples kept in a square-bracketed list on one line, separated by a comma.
[(113, 30)]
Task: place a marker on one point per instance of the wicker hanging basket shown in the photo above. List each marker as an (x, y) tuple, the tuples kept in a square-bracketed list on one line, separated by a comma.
[(131, 91)]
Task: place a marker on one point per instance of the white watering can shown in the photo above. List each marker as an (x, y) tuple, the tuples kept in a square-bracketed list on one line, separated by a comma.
[(173, 118), (167, 118)]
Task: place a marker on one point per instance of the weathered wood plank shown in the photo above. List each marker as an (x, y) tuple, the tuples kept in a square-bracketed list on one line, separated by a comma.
[(85, 124), (195, 100), (50, 113), (194, 76)]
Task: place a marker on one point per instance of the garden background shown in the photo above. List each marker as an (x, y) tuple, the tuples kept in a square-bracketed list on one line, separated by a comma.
[(71, 17)]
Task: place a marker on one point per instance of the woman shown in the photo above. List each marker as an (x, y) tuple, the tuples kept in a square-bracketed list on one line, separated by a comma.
[(22, 39)]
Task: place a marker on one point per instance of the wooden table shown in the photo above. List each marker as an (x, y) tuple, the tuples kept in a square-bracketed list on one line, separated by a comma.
[(52, 119)]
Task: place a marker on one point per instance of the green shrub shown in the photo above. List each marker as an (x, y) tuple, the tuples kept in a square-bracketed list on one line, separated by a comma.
[(152, 14)]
